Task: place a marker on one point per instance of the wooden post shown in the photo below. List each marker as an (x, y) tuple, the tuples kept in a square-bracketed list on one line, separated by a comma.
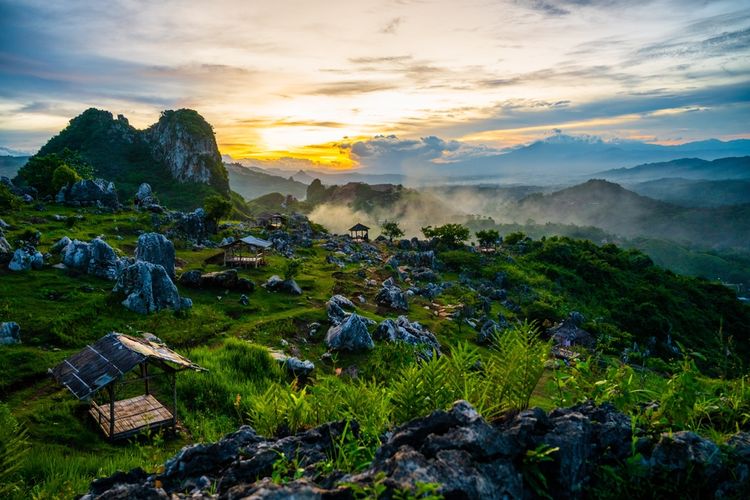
[(144, 371), (111, 392), (174, 400)]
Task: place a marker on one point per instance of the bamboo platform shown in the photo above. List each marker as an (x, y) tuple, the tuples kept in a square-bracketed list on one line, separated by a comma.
[(244, 261), (132, 416)]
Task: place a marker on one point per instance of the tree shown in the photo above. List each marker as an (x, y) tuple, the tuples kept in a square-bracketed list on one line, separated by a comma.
[(64, 176), (513, 238), (391, 229), (488, 237), (217, 207), (39, 170), (451, 235)]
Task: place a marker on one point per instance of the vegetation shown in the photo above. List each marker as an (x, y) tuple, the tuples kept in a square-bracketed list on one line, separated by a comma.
[(48, 173), (449, 235), (391, 229), (8, 201), (488, 237), (217, 207)]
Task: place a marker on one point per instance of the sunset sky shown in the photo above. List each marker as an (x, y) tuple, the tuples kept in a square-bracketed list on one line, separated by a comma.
[(283, 80)]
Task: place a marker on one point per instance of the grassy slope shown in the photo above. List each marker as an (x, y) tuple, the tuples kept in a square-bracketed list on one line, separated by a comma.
[(60, 313)]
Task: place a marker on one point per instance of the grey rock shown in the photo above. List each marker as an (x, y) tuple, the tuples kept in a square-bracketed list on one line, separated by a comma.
[(297, 367), (148, 288), (97, 192), (60, 246), (144, 197), (157, 249), (685, 452), (244, 300), (403, 330), (391, 296), (24, 259), (6, 251), (276, 284), (351, 335), (10, 333), (103, 261)]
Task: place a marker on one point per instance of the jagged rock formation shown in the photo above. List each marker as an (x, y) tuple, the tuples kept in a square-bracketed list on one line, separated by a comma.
[(403, 330), (185, 142), (96, 192), (96, 258), (457, 450), (24, 259), (10, 333), (157, 249), (391, 296), (147, 288), (350, 335)]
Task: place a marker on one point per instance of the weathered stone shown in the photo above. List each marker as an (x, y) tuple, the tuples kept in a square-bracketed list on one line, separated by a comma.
[(10, 333), (403, 330), (276, 284), (351, 335), (60, 246), (391, 296), (685, 452), (102, 260), (157, 249), (96, 192), (144, 197), (24, 259), (6, 251), (147, 288)]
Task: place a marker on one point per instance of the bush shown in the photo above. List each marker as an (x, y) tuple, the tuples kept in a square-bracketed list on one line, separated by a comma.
[(451, 235), (39, 171), (13, 449), (8, 201), (292, 268), (64, 176)]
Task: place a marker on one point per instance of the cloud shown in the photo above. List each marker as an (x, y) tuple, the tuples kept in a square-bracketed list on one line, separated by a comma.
[(350, 87), (392, 26)]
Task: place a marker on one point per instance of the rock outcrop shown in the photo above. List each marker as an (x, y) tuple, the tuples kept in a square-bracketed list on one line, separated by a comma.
[(351, 335), (276, 284), (88, 192), (148, 288), (157, 249), (185, 142), (96, 258), (403, 330), (10, 333), (458, 452), (145, 197), (25, 259), (391, 296)]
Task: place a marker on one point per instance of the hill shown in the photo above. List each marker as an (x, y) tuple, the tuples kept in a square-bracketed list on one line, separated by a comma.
[(696, 193), (177, 155), (622, 212), (685, 168), (9, 165), (252, 183)]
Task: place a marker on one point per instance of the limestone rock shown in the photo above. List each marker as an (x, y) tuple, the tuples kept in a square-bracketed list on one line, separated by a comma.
[(351, 335), (148, 288), (96, 192), (157, 249), (10, 333), (391, 296)]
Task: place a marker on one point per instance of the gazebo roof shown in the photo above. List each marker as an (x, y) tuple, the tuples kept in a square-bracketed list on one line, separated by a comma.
[(251, 241), (359, 227), (98, 365)]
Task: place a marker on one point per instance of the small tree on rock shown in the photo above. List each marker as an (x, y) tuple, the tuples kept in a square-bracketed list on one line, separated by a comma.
[(488, 238), (451, 235), (217, 207)]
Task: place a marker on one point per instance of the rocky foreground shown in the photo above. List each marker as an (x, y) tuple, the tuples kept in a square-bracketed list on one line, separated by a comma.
[(463, 454)]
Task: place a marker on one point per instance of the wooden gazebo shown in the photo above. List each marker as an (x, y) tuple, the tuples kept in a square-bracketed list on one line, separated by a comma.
[(271, 220), (359, 232), (108, 365), (246, 252)]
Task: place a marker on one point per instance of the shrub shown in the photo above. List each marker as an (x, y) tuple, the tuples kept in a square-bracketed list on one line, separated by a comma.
[(391, 229), (292, 268), (64, 176), (8, 201), (451, 235)]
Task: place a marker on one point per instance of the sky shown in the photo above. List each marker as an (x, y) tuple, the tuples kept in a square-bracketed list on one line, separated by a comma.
[(294, 82)]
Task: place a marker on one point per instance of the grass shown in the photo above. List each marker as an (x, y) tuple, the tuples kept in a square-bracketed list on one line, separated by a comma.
[(60, 312)]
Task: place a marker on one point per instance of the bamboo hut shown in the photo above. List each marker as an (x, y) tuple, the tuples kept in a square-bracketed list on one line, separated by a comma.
[(246, 252), (98, 372), (359, 232)]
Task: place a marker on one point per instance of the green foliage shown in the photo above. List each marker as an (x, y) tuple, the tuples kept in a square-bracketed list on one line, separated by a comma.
[(292, 268), (461, 260), (8, 201), (64, 176), (391, 229), (286, 469), (217, 207), (39, 171), (13, 449), (488, 237), (532, 473), (513, 238), (450, 235)]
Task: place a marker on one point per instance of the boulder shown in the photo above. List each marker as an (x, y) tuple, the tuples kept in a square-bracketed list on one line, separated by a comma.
[(351, 335), (684, 452), (567, 333), (10, 333), (335, 309), (190, 225), (276, 284), (403, 330), (391, 296), (77, 255), (60, 246), (97, 192), (103, 260), (144, 197), (24, 259), (157, 249), (148, 288)]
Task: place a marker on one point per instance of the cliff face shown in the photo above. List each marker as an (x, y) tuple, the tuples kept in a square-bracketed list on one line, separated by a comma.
[(185, 142), (179, 147)]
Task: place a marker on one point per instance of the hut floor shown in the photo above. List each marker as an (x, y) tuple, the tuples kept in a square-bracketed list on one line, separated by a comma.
[(132, 415), (245, 261)]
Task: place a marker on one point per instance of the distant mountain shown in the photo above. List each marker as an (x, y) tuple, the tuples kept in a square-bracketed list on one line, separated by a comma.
[(177, 155), (696, 193), (9, 165), (252, 183), (622, 212), (560, 158), (684, 168)]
